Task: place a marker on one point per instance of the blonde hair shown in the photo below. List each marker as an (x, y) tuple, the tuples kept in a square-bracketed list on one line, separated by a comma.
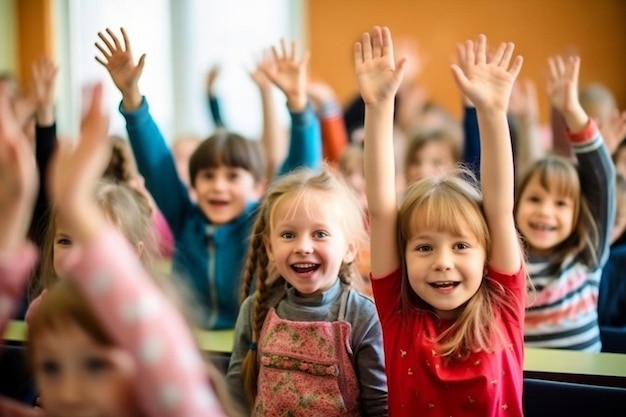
[(127, 209), (439, 202), (298, 183), (559, 175)]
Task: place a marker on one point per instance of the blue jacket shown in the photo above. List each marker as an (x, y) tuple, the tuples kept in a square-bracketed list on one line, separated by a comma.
[(209, 257)]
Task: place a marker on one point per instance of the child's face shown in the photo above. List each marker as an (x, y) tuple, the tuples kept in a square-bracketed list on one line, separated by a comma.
[(433, 158), (223, 193), (77, 376), (445, 270), (620, 161), (544, 218), (63, 248), (307, 242)]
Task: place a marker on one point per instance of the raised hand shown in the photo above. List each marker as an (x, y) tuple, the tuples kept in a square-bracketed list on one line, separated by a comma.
[(74, 172), (211, 77), (265, 65), (562, 89), (485, 80), (377, 72), (118, 60), (44, 79), (19, 180), (289, 74), (524, 103)]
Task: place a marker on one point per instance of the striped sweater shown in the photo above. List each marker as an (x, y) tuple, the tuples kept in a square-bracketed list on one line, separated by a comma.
[(564, 312)]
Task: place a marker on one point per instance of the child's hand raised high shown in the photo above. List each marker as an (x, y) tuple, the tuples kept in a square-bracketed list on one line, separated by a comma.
[(118, 60), (18, 177), (485, 80), (74, 172), (377, 72), (290, 75), (562, 88)]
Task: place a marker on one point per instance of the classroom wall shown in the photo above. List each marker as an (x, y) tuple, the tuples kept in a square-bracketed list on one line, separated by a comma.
[(540, 28), (8, 54)]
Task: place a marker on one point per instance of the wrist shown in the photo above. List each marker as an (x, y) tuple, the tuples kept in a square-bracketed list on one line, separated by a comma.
[(576, 119), (45, 115), (131, 100), (296, 102)]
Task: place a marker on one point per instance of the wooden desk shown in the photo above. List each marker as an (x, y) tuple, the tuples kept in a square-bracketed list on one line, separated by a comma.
[(559, 365), (213, 341)]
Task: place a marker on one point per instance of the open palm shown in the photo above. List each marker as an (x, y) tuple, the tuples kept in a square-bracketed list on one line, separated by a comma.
[(118, 60)]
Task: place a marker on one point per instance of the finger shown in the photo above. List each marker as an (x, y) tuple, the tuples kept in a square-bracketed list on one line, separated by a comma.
[(377, 42), (517, 66), (116, 41), (400, 68), (358, 54), (470, 54), (275, 54), (459, 77), (294, 51), (388, 44), (140, 65), (573, 69), (553, 71), (560, 66), (366, 43), (498, 54), (106, 42), (104, 52), (305, 59), (126, 40), (481, 49), (283, 48), (507, 55)]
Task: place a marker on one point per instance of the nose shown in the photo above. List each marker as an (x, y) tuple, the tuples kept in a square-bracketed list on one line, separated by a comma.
[(69, 388), (304, 245), (443, 260)]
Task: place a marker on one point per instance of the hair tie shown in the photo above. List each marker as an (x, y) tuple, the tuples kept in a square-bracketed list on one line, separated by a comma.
[(253, 346)]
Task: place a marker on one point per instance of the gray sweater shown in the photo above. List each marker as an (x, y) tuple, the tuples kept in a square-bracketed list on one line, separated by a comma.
[(366, 340)]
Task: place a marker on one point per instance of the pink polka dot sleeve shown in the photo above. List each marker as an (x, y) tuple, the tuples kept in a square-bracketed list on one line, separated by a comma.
[(15, 269), (171, 380)]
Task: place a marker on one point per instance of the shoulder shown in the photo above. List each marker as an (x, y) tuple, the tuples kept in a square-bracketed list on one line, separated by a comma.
[(360, 305)]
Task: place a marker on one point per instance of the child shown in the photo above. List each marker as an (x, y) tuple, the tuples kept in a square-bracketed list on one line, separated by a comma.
[(226, 173), (306, 344), (565, 213), (448, 281), (143, 360), (431, 153)]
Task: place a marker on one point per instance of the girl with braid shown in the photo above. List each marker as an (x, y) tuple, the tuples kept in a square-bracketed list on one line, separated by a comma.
[(306, 342)]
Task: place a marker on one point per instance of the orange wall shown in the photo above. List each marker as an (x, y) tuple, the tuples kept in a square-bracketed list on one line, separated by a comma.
[(540, 28), (35, 35)]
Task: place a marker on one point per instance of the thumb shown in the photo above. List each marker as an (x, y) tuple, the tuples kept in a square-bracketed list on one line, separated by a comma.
[(400, 68), (140, 65), (459, 77)]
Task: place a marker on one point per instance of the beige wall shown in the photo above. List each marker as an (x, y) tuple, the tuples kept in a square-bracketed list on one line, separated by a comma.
[(597, 29), (8, 36)]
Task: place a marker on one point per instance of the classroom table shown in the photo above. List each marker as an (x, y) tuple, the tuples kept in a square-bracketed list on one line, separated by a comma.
[(560, 365)]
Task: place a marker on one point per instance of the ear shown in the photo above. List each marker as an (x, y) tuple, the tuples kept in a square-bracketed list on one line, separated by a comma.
[(268, 248), (350, 254), (139, 247)]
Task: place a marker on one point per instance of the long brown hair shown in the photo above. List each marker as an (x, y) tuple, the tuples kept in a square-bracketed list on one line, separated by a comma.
[(257, 268), (453, 203), (560, 176)]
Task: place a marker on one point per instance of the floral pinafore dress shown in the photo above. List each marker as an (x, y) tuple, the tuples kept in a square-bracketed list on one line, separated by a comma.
[(306, 368)]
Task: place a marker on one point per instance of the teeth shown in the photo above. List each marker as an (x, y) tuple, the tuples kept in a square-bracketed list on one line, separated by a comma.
[(304, 265), (444, 284)]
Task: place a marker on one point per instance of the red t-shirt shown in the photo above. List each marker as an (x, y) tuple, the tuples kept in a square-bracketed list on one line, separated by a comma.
[(422, 383)]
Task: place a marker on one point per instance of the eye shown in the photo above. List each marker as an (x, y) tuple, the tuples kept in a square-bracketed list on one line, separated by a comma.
[(562, 203), (533, 199), (424, 248), (461, 246), (233, 175), (96, 364), (50, 367), (287, 235), (320, 234), (63, 241)]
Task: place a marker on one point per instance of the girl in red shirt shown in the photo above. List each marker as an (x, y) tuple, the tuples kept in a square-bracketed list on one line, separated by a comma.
[(447, 266)]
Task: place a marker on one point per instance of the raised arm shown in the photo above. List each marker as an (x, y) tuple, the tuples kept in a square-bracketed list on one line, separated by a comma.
[(18, 190), (214, 103), (334, 132), (289, 74), (379, 76), (171, 379), (487, 82), (596, 170), (273, 139), (154, 159)]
